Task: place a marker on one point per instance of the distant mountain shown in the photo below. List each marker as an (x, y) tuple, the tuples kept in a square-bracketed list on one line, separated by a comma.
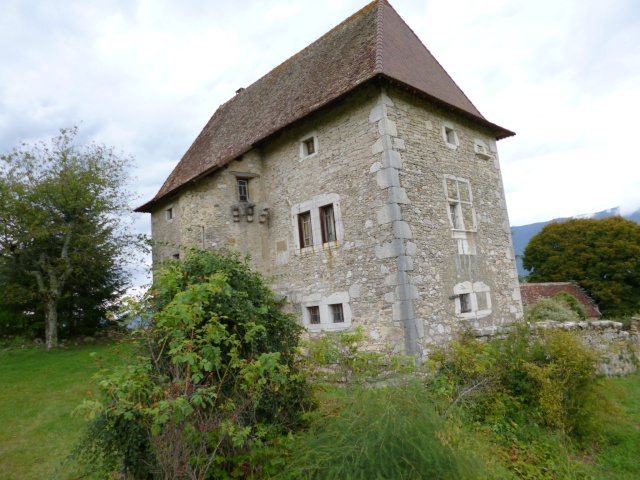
[(523, 233)]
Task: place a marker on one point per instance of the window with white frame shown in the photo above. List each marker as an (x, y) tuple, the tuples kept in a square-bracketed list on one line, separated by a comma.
[(472, 300), (308, 145), (326, 313), (461, 213), (449, 136), (317, 223)]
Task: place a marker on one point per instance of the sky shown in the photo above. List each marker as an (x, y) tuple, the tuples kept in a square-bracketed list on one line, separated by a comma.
[(146, 75)]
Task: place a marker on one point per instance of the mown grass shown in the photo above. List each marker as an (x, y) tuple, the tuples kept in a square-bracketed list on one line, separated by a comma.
[(39, 390)]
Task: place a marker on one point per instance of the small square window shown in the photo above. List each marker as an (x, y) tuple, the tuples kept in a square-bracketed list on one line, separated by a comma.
[(243, 190), (176, 256), (304, 227), (169, 213), (337, 314), (451, 135), (314, 315), (465, 302), (309, 146), (328, 224)]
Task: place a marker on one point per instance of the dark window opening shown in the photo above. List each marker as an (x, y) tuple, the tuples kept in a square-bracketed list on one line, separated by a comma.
[(304, 226), (243, 190), (328, 224), (169, 213), (314, 315), (309, 146), (176, 256), (451, 135), (465, 302), (336, 313)]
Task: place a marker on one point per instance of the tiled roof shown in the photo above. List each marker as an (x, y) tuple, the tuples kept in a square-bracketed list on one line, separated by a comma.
[(373, 43), (532, 292)]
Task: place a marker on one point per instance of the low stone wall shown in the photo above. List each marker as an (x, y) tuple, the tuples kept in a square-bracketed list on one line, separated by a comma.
[(619, 349)]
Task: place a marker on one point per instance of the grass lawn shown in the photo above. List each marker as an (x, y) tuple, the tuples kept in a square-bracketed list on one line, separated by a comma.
[(38, 391), (620, 456)]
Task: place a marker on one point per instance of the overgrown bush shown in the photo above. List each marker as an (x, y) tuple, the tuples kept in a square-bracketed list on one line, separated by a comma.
[(520, 389), (550, 309), (570, 302), (215, 388), (381, 433)]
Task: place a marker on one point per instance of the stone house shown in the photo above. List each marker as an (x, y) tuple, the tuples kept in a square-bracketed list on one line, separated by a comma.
[(362, 180), (532, 292)]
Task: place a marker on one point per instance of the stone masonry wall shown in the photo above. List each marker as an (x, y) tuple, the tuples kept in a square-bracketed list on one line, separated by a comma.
[(380, 161)]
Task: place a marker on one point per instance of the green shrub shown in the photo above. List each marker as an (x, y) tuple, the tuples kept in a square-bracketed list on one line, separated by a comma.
[(381, 433), (570, 302), (215, 387), (550, 309)]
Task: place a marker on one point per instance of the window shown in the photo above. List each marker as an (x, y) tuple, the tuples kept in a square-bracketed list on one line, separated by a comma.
[(305, 229), (472, 300), (327, 224), (336, 313), (330, 312), (314, 315), (449, 136), (461, 212), (169, 213), (243, 190), (308, 145), (317, 224), (465, 302)]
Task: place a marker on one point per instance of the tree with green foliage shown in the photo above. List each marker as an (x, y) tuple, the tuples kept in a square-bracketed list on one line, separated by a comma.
[(64, 232), (603, 256), (215, 388)]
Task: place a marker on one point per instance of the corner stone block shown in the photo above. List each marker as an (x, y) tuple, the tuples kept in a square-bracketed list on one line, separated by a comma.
[(405, 264), (390, 250), (377, 113), (391, 158), (387, 127), (398, 195), (411, 249), (402, 230), (399, 144), (388, 177), (506, 227), (407, 292), (377, 147), (394, 279), (384, 99), (402, 310), (389, 213)]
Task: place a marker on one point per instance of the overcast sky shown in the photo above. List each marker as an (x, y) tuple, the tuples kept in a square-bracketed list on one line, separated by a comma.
[(146, 75)]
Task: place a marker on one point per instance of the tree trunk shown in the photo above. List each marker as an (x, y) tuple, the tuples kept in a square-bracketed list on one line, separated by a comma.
[(51, 323)]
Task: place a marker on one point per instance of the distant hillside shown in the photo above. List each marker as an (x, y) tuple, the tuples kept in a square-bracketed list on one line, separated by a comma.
[(523, 233)]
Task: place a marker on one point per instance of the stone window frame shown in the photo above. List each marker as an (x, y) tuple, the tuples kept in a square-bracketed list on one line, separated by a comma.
[(464, 237), (450, 135), (479, 294), (304, 141), (325, 308), (314, 207), (481, 149), (169, 213)]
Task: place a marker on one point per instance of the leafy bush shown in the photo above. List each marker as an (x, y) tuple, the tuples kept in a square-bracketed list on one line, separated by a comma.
[(521, 388), (381, 433), (550, 309), (215, 387), (570, 302)]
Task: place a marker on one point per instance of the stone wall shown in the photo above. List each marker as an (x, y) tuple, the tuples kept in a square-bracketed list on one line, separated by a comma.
[(397, 266), (618, 349)]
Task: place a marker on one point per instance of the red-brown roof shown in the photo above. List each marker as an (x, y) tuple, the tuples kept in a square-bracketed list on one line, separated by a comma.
[(532, 292), (373, 43)]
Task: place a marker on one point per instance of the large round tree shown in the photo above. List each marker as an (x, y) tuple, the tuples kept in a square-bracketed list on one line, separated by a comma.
[(603, 256), (64, 233)]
